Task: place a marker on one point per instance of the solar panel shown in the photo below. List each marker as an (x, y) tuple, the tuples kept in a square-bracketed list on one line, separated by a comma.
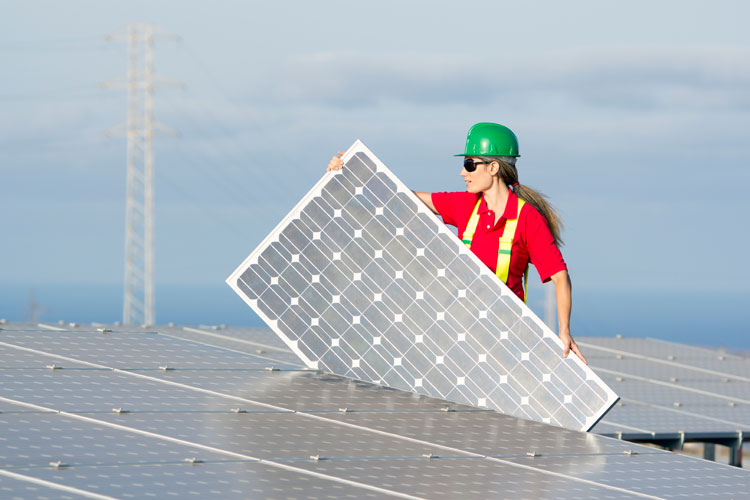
[(647, 474), (439, 479), (672, 389), (634, 417), (669, 354), (74, 427), (228, 481), (260, 345), (362, 280)]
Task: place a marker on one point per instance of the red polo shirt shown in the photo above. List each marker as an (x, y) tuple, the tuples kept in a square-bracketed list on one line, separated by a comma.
[(533, 241)]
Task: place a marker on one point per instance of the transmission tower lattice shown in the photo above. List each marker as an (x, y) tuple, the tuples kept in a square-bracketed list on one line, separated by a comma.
[(138, 300)]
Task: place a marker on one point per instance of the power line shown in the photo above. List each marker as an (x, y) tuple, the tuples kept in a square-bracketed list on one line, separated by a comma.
[(57, 94), (61, 44), (269, 140), (206, 210), (242, 169), (207, 170)]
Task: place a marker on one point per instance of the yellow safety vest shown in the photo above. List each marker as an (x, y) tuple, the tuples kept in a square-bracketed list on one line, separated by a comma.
[(504, 245)]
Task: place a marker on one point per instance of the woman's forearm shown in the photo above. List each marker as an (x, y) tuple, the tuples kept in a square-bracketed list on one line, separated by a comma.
[(564, 300), (563, 293)]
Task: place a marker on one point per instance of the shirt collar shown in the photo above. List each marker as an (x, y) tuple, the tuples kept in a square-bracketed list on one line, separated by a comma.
[(511, 206)]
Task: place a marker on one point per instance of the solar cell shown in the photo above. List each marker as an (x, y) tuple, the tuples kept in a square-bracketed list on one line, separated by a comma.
[(362, 280)]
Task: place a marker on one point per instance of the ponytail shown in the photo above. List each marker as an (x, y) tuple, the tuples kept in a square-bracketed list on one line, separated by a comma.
[(509, 175), (539, 201)]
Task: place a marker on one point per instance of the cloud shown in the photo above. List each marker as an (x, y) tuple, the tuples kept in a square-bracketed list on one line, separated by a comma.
[(348, 79), (645, 78)]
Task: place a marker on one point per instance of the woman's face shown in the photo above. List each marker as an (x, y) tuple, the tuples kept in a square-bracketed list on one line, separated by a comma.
[(480, 179)]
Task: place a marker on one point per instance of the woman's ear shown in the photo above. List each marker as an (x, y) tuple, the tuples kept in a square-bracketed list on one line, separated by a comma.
[(494, 168)]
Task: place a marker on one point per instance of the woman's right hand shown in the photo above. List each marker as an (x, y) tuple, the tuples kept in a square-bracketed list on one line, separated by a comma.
[(336, 163)]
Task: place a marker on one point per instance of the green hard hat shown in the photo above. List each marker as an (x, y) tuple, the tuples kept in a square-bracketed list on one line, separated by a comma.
[(490, 139)]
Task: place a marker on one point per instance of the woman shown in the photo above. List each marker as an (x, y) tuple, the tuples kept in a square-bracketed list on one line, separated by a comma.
[(506, 225)]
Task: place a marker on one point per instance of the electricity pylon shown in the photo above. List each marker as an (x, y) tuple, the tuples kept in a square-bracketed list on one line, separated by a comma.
[(138, 299)]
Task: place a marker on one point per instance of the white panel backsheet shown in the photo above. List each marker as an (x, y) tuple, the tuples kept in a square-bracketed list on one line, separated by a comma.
[(362, 280)]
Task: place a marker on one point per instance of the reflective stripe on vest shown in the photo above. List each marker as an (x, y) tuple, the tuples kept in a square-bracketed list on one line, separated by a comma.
[(505, 243)]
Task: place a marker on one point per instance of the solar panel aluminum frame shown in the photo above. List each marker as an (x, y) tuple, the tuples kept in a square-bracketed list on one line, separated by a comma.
[(609, 397)]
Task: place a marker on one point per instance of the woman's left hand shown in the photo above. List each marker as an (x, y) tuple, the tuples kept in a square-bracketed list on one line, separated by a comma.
[(336, 163), (570, 345)]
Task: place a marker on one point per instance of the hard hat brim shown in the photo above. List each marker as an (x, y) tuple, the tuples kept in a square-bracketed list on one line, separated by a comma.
[(488, 156)]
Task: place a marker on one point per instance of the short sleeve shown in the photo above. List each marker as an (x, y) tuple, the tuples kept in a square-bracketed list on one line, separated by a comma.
[(540, 243), (455, 207)]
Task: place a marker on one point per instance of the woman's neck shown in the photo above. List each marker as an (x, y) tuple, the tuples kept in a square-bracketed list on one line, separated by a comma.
[(496, 196)]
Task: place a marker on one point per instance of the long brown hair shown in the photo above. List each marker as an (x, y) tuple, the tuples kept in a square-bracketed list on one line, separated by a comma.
[(509, 175)]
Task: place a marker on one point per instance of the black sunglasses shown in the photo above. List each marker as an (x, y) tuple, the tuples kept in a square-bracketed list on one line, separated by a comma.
[(471, 165)]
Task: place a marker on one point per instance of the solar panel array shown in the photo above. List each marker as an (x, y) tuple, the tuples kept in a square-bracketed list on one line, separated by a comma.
[(116, 412), (362, 280), (672, 391)]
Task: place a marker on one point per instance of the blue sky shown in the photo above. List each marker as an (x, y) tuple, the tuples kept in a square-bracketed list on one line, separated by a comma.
[(633, 117)]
